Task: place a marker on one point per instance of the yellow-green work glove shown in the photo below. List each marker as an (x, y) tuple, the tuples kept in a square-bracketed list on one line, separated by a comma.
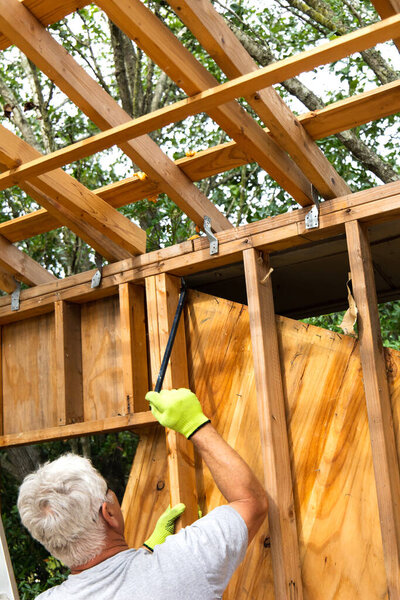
[(165, 526), (177, 409)]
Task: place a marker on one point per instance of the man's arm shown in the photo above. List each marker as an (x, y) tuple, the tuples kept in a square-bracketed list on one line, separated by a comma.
[(180, 410), (234, 478)]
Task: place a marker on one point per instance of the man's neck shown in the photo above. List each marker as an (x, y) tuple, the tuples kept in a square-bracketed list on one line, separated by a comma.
[(110, 550)]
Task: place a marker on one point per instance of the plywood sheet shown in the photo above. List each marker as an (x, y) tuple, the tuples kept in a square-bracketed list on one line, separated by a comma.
[(29, 374), (335, 495), (103, 390)]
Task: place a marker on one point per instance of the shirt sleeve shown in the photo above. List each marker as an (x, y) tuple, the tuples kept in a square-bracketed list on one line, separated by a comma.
[(218, 544)]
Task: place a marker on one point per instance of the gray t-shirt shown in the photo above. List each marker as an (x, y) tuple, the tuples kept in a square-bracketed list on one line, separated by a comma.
[(195, 564)]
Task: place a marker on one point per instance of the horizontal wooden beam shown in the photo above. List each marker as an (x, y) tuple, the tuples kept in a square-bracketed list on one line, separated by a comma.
[(21, 266), (29, 35), (339, 116), (272, 234), (214, 34), (145, 124), (132, 421), (354, 111), (47, 12), (63, 191)]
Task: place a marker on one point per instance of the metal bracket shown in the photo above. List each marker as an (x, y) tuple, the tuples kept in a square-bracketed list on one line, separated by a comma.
[(312, 217), (15, 296), (211, 237), (96, 279)]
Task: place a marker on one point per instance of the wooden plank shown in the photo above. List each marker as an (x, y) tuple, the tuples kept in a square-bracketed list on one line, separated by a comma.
[(7, 281), (162, 292), (147, 491), (160, 44), (30, 36), (29, 375), (68, 348), (279, 232), (133, 346), (387, 8), (290, 67), (21, 265), (176, 112), (339, 116), (103, 383), (82, 203), (354, 111), (62, 215), (111, 424), (47, 12), (273, 428), (166, 50), (335, 496), (221, 43), (384, 452)]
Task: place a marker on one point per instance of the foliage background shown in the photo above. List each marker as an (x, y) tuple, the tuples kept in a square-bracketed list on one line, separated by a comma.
[(37, 111)]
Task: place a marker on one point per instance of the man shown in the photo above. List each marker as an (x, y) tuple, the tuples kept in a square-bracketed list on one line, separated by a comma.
[(67, 507)]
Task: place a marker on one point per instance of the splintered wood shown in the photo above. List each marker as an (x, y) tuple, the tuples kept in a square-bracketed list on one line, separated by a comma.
[(335, 496)]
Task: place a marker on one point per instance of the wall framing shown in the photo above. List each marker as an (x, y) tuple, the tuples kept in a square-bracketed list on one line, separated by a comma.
[(85, 329)]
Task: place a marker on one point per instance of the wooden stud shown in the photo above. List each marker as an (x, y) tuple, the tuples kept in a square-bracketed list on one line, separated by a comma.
[(273, 428), (62, 189), (21, 27), (21, 265), (68, 362), (338, 116), (133, 346), (162, 292), (384, 452), (221, 43)]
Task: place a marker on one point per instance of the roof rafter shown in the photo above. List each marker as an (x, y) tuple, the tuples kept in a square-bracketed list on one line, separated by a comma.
[(214, 35), (7, 281), (21, 266), (62, 190), (160, 44), (47, 12), (21, 27), (155, 120), (388, 8), (339, 116)]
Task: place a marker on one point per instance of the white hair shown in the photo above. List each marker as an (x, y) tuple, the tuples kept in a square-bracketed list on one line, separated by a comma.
[(60, 505)]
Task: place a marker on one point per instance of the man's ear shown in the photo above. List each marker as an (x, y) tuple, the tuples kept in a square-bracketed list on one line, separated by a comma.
[(108, 511)]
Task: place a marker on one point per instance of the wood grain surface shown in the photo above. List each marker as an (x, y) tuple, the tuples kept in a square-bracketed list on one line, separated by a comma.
[(330, 450)]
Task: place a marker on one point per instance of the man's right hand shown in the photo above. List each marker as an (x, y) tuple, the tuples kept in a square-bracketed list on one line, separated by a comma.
[(177, 409)]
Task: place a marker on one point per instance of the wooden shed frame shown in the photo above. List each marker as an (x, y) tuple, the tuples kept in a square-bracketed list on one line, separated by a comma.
[(285, 149)]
